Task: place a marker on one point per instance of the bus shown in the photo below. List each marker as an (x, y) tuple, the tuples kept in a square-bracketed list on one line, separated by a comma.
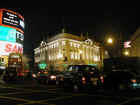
[(15, 67)]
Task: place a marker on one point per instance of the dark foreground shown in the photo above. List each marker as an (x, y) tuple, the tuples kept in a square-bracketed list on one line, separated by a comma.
[(31, 93)]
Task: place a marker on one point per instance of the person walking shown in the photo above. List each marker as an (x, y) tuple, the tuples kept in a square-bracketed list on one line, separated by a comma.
[(2, 77)]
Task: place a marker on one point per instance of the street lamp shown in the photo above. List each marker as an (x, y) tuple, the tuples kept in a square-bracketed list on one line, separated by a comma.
[(105, 47), (109, 40), (126, 53)]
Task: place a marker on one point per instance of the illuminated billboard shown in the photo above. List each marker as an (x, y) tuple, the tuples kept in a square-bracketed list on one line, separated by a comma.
[(19, 37), (7, 34), (8, 47), (11, 19), (11, 35)]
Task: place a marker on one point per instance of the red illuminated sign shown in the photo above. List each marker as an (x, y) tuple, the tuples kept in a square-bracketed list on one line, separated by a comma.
[(8, 47), (13, 48)]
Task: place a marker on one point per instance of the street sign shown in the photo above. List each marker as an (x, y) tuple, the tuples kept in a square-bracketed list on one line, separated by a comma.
[(127, 44)]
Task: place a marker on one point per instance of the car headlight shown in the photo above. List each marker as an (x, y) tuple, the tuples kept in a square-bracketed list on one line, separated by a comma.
[(53, 77), (34, 76)]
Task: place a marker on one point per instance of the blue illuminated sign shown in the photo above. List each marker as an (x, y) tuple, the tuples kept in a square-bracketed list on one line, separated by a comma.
[(7, 34)]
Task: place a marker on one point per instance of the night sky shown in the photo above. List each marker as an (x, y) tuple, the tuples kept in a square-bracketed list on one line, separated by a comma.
[(98, 19)]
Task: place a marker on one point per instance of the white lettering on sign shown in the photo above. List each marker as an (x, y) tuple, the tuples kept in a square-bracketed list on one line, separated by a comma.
[(12, 19)]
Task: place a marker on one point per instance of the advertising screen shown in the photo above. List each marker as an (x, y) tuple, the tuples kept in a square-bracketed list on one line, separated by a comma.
[(19, 37), (12, 19), (8, 47), (7, 34)]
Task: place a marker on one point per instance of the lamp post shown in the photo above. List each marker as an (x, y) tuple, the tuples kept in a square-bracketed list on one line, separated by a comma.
[(107, 44), (104, 46)]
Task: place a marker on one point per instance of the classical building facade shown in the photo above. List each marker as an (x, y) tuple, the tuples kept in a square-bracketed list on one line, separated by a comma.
[(135, 44), (66, 49)]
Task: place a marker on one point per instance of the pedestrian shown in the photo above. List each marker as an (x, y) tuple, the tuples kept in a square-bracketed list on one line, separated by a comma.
[(2, 77)]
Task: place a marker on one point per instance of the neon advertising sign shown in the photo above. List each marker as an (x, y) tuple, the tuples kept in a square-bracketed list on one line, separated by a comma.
[(12, 19), (7, 34), (11, 35), (8, 47)]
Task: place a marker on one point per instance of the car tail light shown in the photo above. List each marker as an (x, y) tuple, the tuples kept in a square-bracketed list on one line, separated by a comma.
[(91, 73), (102, 79), (53, 77), (133, 80), (92, 79), (83, 80), (61, 79), (34, 76)]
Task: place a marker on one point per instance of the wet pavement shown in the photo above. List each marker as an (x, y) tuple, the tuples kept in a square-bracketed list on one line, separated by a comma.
[(29, 92)]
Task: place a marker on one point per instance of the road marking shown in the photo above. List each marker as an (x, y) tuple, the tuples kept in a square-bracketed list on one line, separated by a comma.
[(130, 100), (24, 89), (70, 95), (11, 93), (45, 102), (61, 98), (16, 99), (23, 100)]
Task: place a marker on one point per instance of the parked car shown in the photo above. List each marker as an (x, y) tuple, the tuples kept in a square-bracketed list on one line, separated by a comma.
[(60, 79), (42, 77), (48, 77), (52, 75), (121, 80), (81, 77)]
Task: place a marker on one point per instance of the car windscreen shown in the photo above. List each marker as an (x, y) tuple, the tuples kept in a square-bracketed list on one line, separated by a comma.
[(81, 68)]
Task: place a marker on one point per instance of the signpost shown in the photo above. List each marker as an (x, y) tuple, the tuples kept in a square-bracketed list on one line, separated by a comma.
[(42, 65)]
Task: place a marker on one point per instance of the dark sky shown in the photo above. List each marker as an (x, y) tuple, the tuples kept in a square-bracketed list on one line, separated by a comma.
[(98, 19)]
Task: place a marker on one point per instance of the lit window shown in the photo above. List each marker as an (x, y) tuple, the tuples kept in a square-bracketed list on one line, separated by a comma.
[(57, 44), (76, 56), (71, 44), (72, 55), (87, 56), (55, 57), (54, 45), (60, 55), (49, 57), (74, 44), (50, 46), (78, 45), (96, 58), (63, 43)]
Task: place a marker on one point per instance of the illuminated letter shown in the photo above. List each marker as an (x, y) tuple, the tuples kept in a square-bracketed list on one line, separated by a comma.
[(20, 50), (8, 47), (15, 49)]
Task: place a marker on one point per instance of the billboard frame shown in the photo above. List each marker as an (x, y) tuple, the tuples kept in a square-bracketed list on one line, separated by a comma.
[(15, 13)]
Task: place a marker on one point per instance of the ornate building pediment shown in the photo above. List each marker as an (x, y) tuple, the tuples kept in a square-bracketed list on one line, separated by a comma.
[(89, 42)]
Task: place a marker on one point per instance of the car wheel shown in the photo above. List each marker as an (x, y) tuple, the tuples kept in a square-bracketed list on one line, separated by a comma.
[(57, 82), (75, 88)]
